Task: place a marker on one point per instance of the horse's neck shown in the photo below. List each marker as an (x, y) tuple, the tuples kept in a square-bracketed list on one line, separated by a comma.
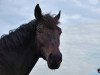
[(29, 56), (27, 64), (17, 39), (17, 47), (29, 59)]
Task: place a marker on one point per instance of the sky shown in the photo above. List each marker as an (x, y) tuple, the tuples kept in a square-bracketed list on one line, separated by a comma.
[(80, 40)]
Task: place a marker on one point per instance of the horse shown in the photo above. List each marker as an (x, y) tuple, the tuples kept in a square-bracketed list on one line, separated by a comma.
[(21, 48)]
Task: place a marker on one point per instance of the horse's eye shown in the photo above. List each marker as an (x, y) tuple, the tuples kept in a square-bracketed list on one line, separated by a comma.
[(40, 28)]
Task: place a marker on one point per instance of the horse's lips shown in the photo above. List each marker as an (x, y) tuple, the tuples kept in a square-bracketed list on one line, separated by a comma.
[(54, 66)]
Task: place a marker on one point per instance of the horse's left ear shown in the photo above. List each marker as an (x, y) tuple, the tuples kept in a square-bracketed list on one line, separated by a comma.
[(38, 13), (57, 16)]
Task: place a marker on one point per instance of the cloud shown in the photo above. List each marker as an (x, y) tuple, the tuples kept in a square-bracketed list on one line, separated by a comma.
[(5, 27), (90, 5), (78, 3), (21, 12), (94, 2), (80, 45), (77, 19), (97, 10)]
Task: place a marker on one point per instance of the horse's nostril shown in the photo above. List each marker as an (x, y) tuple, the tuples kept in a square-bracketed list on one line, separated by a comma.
[(51, 56), (55, 57)]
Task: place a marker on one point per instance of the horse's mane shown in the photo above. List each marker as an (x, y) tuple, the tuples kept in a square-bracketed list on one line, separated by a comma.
[(16, 37), (20, 36)]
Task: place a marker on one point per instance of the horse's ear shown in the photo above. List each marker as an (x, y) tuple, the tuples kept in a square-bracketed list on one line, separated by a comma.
[(38, 13), (57, 16)]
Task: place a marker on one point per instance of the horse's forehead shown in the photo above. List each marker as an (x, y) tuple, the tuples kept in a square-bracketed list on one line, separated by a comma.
[(50, 23), (50, 19)]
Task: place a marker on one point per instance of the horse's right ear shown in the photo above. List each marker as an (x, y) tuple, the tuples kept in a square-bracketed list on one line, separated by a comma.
[(37, 12)]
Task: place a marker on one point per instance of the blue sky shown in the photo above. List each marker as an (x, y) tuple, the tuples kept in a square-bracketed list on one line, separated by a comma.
[(80, 40), (73, 11)]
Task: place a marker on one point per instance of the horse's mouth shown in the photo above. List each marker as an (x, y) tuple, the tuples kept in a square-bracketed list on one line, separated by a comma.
[(54, 66)]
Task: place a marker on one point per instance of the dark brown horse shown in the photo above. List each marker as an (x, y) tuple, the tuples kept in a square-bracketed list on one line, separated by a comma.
[(22, 47)]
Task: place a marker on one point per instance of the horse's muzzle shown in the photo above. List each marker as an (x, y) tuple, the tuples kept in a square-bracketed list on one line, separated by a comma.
[(54, 61)]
